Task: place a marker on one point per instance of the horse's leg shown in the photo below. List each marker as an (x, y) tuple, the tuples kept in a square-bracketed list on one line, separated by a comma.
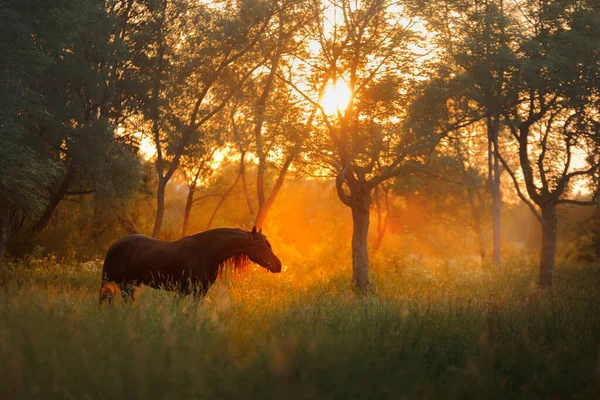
[(127, 291), (184, 287), (193, 286), (203, 283), (107, 291), (201, 288), (200, 293)]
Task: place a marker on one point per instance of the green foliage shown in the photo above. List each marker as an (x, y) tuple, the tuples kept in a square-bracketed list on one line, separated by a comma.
[(30, 35), (59, 106), (453, 333), (24, 175)]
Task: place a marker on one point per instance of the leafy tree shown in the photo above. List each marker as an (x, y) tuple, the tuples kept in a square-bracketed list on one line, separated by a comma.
[(371, 48), (276, 114), (196, 165), (24, 171), (554, 119), (184, 76), (51, 112), (78, 126), (452, 185), (474, 41)]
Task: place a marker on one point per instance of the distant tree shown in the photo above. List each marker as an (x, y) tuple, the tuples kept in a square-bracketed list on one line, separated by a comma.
[(554, 123), (241, 130), (381, 198), (474, 40), (276, 115), (457, 184), (184, 76), (196, 164)]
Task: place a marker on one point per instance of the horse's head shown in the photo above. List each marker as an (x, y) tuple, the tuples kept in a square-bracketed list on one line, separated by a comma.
[(262, 253)]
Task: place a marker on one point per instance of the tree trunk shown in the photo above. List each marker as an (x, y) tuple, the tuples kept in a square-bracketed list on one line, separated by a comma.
[(3, 231), (261, 106), (156, 117), (548, 252), (360, 253), (188, 209), (382, 217), (360, 204), (264, 208), (480, 238), (54, 201), (221, 201), (160, 208), (496, 222), (596, 230), (494, 185), (260, 181), (244, 183), (261, 216), (476, 208)]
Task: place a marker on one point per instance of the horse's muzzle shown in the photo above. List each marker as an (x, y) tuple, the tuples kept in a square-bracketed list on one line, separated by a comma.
[(276, 268)]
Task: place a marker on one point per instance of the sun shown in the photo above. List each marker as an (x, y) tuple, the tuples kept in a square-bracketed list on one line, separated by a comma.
[(336, 97)]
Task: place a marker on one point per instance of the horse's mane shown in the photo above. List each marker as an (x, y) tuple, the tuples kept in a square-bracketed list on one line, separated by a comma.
[(236, 263)]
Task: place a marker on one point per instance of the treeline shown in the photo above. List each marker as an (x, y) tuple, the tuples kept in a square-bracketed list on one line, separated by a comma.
[(464, 104)]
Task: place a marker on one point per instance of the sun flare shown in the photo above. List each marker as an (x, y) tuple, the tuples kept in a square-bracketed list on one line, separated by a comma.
[(336, 97)]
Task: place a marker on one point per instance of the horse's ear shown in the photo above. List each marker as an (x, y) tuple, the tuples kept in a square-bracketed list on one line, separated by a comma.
[(253, 231), (260, 231)]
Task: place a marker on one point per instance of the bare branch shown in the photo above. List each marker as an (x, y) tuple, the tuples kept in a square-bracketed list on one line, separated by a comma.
[(578, 202), (79, 192), (198, 199), (339, 185), (529, 204)]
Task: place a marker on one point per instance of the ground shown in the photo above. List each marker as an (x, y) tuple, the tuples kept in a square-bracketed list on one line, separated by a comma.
[(427, 329)]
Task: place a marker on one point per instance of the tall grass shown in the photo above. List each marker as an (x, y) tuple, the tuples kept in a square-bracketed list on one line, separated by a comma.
[(428, 329)]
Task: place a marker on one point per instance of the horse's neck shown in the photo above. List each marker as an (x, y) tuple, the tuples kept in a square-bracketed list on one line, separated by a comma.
[(223, 247)]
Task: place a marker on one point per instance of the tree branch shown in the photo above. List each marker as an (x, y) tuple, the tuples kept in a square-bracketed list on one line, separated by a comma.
[(79, 192), (578, 202), (529, 204), (339, 185)]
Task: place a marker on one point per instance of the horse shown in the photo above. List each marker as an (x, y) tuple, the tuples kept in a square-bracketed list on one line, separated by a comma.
[(188, 266)]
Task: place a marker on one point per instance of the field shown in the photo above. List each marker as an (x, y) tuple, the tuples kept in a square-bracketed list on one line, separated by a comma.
[(428, 329)]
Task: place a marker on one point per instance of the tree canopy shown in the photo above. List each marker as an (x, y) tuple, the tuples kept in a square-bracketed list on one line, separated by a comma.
[(110, 104)]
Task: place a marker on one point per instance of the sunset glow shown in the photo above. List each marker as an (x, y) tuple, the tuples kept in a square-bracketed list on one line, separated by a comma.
[(329, 199), (336, 97)]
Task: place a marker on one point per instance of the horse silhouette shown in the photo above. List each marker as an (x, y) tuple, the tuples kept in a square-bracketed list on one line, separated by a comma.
[(189, 265)]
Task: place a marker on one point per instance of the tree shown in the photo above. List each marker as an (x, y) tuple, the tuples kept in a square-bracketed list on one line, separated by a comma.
[(554, 122), (187, 75), (368, 48), (78, 128), (197, 169), (25, 172), (474, 39), (52, 112), (458, 189), (275, 112)]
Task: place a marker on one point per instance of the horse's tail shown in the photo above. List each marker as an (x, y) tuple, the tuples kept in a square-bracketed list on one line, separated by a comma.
[(108, 291)]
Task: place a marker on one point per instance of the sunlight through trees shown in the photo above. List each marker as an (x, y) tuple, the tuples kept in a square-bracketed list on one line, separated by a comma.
[(167, 117)]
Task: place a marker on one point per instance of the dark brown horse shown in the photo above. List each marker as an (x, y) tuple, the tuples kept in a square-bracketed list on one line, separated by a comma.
[(189, 265)]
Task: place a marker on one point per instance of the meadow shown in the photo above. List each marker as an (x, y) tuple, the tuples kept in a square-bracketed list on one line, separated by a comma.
[(427, 329)]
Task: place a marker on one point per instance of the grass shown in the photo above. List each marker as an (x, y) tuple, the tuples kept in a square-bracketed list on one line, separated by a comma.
[(428, 330)]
